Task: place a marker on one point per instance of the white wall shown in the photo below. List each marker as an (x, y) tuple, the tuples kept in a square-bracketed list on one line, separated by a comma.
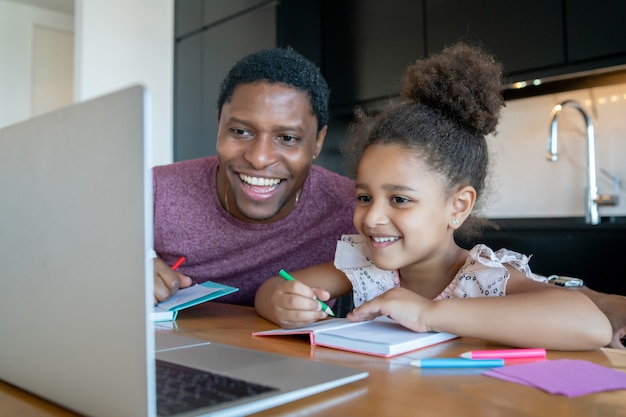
[(52, 70), (120, 43), (117, 43), (18, 25), (525, 184)]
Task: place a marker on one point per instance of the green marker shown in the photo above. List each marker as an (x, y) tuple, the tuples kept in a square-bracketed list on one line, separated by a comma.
[(288, 277)]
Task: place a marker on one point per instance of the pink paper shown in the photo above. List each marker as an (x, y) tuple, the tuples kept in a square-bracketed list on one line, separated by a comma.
[(569, 377)]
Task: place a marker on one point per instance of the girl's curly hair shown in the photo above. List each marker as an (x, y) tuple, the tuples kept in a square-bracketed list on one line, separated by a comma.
[(450, 102)]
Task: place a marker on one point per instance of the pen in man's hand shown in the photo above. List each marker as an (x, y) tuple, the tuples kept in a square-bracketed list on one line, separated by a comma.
[(288, 277), (178, 263)]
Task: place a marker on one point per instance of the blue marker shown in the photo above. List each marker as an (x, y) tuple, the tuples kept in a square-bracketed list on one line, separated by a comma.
[(457, 363)]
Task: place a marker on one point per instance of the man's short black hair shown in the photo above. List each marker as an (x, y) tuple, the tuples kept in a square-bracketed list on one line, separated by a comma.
[(279, 66)]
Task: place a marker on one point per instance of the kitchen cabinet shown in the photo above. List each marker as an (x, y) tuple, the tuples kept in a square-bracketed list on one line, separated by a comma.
[(202, 59), (595, 30), (187, 16), (303, 35), (522, 34), (195, 15), (366, 45), (546, 39)]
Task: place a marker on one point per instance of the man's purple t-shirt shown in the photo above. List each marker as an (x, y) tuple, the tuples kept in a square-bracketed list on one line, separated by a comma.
[(189, 221)]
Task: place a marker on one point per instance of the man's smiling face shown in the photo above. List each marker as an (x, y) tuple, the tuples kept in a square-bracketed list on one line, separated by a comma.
[(267, 139)]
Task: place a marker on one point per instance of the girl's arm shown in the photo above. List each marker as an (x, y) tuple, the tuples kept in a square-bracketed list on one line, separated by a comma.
[(294, 303), (532, 314)]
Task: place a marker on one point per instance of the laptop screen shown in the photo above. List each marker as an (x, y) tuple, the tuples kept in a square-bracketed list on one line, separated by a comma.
[(75, 231)]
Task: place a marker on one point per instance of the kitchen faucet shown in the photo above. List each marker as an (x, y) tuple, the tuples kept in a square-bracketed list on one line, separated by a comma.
[(592, 199)]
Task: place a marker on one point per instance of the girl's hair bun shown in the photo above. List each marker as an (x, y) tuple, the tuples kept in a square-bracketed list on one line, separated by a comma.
[(463, 82)]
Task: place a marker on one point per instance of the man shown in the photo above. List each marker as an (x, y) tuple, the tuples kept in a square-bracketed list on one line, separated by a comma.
[(259, 205)]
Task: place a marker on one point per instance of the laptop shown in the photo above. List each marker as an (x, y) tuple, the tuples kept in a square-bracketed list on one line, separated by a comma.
[(76, 298)]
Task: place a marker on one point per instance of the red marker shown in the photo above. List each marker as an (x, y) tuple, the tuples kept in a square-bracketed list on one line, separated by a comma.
[(178, 263)]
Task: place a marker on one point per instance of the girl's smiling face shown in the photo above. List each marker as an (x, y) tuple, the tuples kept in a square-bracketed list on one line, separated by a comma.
[(402, 210)]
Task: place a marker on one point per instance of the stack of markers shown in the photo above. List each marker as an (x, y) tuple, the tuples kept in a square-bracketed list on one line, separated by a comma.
[(483, 358)]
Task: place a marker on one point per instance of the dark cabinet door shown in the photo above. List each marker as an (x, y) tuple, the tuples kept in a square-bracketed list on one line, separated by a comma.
[(522, 34), (367, 45), (192, 16), (201, 61), (187, 16), (595, 29), (190, 128)]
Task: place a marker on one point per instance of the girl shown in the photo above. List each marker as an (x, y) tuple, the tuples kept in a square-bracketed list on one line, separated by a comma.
[(422, 167)]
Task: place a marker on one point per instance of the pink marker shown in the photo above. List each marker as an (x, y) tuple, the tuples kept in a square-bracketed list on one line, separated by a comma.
[(505, 354)]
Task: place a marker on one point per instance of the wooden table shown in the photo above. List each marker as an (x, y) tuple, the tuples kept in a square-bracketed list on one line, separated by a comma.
[(392, 389)]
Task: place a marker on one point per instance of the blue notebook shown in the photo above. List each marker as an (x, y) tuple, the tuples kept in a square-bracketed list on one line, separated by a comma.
[(189, 297)]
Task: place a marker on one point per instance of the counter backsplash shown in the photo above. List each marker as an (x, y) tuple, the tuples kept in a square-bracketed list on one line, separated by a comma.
[(525, 184)]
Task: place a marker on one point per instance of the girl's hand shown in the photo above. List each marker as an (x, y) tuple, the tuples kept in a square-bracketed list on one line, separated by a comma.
[(399, 304), (295, 304)]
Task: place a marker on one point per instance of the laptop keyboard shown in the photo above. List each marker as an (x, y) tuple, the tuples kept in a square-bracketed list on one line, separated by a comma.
[(182, 389)]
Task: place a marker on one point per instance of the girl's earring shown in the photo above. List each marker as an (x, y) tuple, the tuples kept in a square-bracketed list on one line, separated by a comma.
[(454, 221)]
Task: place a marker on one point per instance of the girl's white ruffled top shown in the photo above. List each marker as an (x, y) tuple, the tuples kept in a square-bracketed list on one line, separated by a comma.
[(482, 275)]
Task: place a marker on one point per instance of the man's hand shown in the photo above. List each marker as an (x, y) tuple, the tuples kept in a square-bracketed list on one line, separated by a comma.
[(614, 307), (167, 281)]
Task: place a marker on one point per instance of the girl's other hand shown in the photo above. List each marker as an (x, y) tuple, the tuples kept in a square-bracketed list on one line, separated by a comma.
[(399, 304)]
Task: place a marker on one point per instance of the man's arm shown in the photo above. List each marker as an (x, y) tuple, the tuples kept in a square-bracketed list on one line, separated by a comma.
[(614, 307)]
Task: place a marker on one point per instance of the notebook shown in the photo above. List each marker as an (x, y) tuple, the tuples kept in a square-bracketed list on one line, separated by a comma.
[(75, 236), (379, 337)]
